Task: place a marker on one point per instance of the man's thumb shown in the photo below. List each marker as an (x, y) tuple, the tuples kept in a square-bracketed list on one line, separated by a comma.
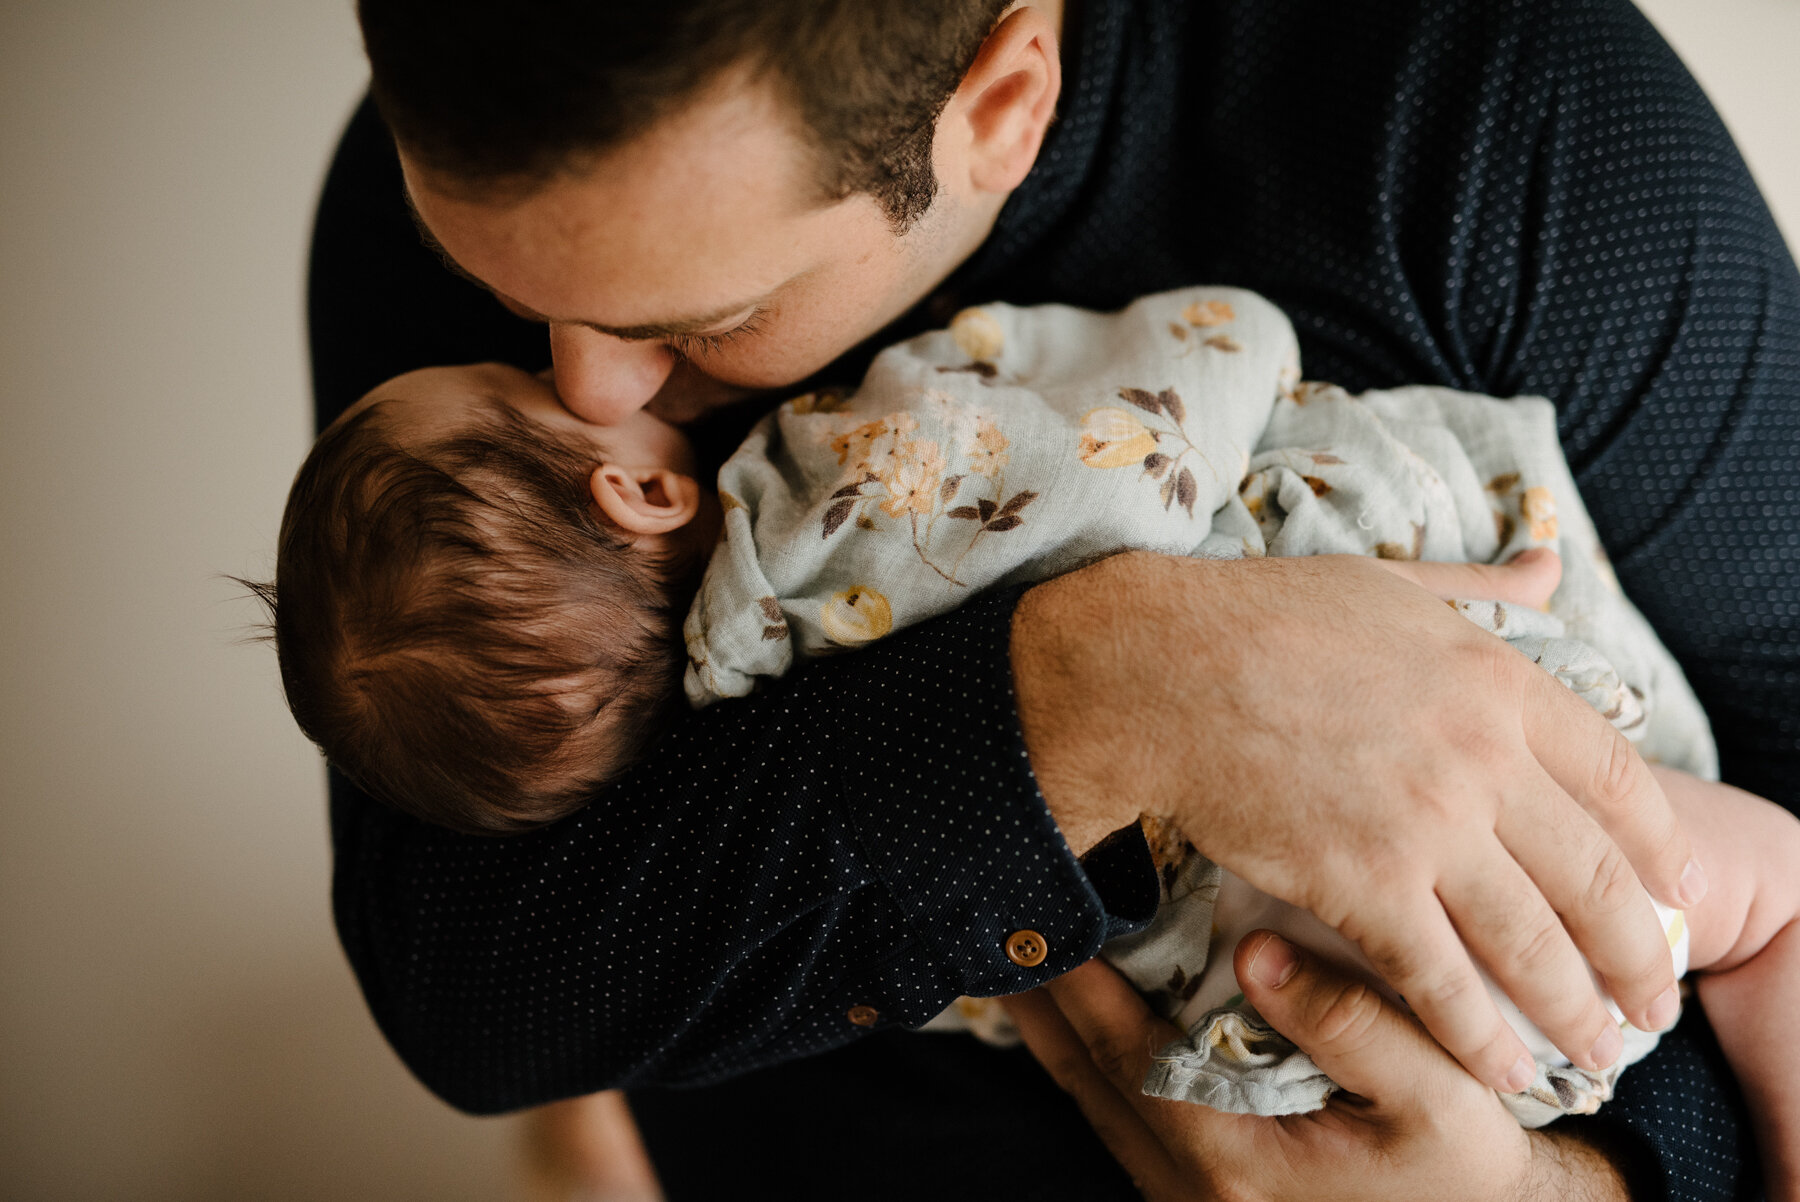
[(1528, 580), (1356, 1036)]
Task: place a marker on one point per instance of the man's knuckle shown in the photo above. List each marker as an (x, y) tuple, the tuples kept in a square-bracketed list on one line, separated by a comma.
[(1117, 1059), (1613, 885), (1538, 944), (1445, 991), (1344, 1017), (1498, 665), (1617, 773)]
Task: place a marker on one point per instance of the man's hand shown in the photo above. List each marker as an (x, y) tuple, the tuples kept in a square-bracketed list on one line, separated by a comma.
[(1341, 739), (1412, 1126)]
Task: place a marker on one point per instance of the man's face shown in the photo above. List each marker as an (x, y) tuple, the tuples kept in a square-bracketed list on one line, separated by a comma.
[(698, 261)]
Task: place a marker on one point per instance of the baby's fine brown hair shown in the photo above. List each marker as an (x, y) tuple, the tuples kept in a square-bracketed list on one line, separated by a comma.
[(459, 631)]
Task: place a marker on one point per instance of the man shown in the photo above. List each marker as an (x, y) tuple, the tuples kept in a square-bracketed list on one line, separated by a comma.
[(734, 197)]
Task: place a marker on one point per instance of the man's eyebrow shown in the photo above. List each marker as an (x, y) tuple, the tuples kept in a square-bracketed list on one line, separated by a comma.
[(637, 333)]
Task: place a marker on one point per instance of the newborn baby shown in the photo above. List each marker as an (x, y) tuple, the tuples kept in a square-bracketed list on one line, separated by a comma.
[(477, 594), (477, 609)]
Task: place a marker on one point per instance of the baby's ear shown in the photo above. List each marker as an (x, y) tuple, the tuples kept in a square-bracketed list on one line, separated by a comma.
[(645, 500)]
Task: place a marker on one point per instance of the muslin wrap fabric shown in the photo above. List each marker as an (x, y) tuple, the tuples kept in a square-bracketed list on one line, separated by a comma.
[(1022, 443)]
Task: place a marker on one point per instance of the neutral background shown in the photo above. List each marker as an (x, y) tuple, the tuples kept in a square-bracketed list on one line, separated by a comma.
[(176, 1021)]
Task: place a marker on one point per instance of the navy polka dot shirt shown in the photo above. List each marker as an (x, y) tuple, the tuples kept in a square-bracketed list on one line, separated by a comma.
[(1510, 196)]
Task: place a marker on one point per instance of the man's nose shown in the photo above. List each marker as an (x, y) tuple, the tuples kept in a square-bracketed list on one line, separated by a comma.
[(605, 379)]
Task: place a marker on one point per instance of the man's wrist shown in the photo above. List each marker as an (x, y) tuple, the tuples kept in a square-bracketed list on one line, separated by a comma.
[(1575, 1163), (1062, 629)]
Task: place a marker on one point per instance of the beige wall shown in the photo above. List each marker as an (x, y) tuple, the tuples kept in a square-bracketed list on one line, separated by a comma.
[(175, 1019)]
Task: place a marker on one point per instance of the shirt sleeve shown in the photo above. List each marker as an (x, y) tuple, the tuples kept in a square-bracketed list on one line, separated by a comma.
[(847, 850)]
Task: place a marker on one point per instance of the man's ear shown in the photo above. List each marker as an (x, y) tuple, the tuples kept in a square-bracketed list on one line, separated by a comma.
[(645, 500), (1002, 108)]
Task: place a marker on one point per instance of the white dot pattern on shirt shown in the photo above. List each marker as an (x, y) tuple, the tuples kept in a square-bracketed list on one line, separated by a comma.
[(781, 883), (1555, 210)]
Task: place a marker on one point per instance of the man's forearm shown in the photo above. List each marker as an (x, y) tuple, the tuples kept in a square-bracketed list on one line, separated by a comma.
[(1572, 1164), (1062, 631)]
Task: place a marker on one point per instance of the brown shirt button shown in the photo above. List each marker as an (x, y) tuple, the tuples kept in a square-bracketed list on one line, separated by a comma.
[(863, 1016), (1027, 949)]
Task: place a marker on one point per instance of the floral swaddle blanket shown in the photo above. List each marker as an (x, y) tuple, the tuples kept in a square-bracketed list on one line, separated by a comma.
[(1020, 444)]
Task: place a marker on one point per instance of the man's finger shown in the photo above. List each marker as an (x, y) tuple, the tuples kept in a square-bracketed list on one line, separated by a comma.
[(1514, 930), (1585, 878), (1050, 1038), (1601, 770), (1355, 1036), (1119, 1031), (1417, 951), (1529, 579)]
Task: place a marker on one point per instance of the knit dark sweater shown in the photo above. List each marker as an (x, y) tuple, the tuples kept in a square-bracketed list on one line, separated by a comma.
[(1506, 197)]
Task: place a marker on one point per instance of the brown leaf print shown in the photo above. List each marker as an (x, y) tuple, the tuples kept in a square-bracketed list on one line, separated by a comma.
[(1170, 402), (1323, 458), (1391, 551), (1224, 342), (865, 522), (1002, 524), (986, 371), (966, 513), (1019, 501), (1504, 483), (1186, 491), (1142, 398), (1318, 486), (1504, 527), (949, 488), (1156, 463), (1167, 492), (1177, 981), (1179, 330), (1418, 547), (777, 627), (834, 517), (849, 490)]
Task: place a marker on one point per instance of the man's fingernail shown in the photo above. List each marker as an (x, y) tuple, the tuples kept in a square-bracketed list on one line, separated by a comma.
[(1664, 1009), (1693, 883), (1524, 1072), (1606, 1049), (1274, 962)]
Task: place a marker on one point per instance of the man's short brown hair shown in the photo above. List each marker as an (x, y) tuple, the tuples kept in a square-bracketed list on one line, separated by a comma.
[(457, 628), (507, 95)]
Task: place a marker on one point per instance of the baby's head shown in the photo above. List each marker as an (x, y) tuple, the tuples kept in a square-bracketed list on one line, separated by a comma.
[(478, 597)]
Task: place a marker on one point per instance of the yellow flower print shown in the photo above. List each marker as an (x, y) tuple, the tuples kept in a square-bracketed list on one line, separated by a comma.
[(856, 615), (1114, 438), (911, 477), (987, 454), (830, 400), (1208, 313), (978, 335), (857, 442), (1538, 506)]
